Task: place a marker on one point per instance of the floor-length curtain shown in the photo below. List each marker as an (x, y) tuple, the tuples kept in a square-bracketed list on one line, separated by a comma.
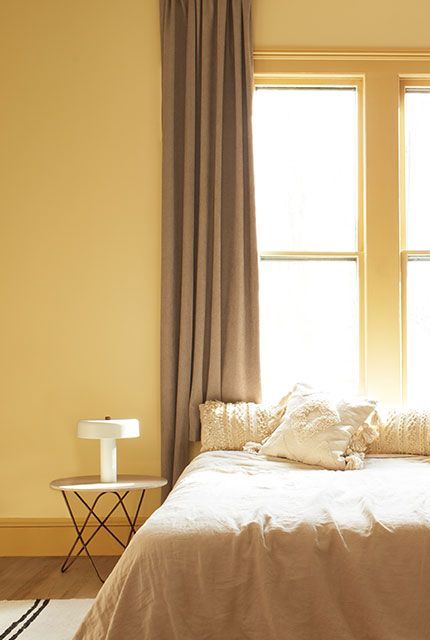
[(209, 309)]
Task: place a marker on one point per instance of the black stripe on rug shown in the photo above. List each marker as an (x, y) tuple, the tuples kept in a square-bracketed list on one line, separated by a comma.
[(25, 619)]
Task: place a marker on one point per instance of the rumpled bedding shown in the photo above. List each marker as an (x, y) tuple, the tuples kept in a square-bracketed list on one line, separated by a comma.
[(252, 548)]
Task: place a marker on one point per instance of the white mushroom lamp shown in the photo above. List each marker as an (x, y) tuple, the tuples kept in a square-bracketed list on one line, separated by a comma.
[(108, 431)]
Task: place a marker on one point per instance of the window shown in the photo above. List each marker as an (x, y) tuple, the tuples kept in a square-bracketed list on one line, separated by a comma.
[(416, 200), (342, 150), (309, 222)]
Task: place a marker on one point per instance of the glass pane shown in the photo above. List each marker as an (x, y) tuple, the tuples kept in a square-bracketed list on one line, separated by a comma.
[(417, 148), (305, 147), (418, 331), (309, 325)]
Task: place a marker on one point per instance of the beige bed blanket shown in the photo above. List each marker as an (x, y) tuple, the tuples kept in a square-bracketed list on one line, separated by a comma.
[(247, 548)]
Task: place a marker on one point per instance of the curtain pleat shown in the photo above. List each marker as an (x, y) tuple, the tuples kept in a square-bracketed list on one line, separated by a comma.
[(209, 312)]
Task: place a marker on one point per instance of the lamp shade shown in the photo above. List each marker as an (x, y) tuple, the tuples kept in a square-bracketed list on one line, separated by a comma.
[(108, 428)]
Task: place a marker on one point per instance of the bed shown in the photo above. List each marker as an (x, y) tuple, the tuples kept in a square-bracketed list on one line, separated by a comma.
[(252, 548)]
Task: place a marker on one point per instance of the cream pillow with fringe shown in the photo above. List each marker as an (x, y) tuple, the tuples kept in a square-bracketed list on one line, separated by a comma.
[(229, 425), (320, 430), (401, 431)]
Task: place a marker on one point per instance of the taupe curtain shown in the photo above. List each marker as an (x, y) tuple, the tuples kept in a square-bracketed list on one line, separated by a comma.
[(209, 311)]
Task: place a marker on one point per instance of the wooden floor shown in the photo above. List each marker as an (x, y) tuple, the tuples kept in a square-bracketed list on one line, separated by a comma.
[(32, 578)]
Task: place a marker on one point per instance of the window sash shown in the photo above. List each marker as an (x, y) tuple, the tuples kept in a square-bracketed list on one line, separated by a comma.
[(415, 84), (327, 82), (273, 311)]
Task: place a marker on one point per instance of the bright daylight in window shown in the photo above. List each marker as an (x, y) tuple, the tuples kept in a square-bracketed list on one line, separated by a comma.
[(417, 201), (306, 172)]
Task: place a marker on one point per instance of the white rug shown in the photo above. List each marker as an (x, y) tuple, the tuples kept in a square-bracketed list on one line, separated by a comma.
[(41, 619)]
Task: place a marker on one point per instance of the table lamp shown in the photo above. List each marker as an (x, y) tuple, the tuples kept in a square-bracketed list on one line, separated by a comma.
[(108, 431)]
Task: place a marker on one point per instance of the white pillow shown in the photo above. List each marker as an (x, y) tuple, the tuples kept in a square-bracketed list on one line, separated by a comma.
[(403, 430), (319, 430), (229, 425)]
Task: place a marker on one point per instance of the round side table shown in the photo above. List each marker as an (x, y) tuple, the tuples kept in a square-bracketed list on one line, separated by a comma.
[(120, 489)]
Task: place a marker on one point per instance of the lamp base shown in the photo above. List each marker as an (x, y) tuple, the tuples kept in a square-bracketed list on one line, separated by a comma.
[(108, 472)]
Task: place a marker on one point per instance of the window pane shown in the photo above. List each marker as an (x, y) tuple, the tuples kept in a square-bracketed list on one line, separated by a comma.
[(417, 147), (305, 145), (418, 330), (309, 324)]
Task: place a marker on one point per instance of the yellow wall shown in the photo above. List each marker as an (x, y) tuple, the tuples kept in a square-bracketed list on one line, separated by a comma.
[(341, 23), (80, 239), (80, 153)]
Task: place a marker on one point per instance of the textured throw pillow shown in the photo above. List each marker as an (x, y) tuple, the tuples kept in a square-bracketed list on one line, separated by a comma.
[(401, 430), (230, 425), (320, 430)]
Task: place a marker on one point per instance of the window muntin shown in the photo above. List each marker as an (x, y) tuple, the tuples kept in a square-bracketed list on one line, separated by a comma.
[(306, 167)]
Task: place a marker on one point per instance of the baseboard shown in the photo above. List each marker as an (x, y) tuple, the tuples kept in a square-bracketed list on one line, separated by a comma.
[(54, 536)]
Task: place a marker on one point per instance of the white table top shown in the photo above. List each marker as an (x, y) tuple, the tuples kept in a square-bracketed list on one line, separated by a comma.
[(93, 483)]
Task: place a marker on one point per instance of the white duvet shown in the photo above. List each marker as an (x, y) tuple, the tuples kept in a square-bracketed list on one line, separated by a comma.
[(247, 548)]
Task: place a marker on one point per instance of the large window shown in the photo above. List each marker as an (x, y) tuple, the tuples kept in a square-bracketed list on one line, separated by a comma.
[(416, 200), (343, 214), (308, 194)]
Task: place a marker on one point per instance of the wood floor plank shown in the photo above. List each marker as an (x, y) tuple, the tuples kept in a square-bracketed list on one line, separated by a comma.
[(31, 578)]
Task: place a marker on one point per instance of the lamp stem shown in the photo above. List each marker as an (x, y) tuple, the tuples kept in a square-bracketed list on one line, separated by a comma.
[(108, 460)]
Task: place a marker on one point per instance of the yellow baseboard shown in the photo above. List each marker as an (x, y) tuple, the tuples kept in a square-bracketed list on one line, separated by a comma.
[(54, 536)]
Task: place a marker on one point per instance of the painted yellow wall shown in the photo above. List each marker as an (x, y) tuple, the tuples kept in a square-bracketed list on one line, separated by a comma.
[(80, 153), (80, 177), (341, 23)]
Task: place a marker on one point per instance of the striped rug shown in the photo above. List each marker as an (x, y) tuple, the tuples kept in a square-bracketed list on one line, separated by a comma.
[(41, 619)]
